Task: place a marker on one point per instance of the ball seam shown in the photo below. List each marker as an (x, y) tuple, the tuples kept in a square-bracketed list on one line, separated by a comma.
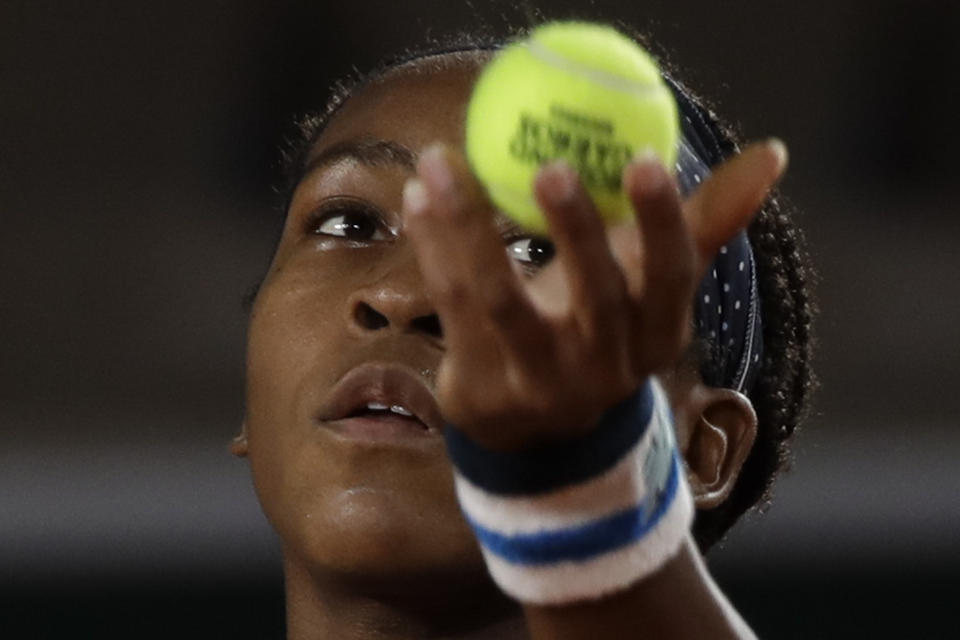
[(611, 81)]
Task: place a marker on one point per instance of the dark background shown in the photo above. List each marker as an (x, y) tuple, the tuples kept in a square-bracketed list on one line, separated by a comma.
[(137, 154)]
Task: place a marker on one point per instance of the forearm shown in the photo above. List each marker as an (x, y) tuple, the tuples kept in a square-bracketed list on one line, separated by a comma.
[(678, 601)]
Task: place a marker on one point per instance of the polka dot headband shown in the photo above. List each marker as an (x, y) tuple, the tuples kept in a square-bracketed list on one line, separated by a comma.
[(727, 306)]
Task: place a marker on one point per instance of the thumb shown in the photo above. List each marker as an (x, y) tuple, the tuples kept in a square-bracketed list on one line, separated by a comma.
[(731, 196)]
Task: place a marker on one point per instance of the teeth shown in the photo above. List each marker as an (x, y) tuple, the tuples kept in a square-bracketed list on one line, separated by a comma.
[(401, 410)]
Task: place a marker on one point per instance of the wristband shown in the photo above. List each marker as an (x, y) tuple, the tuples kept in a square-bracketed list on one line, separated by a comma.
[(580, 519)]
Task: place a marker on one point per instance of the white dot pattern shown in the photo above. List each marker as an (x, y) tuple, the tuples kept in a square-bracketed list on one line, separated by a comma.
[(724, 294), (727, 300)]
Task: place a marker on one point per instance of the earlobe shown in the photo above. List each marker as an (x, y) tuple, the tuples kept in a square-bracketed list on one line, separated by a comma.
[(723, 429), (238, 446)]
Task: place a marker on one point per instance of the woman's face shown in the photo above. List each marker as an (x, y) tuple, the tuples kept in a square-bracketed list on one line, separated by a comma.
[(342, 329), (341, 322)]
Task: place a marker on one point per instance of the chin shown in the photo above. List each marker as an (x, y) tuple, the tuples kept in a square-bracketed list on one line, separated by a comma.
[(381, 534)]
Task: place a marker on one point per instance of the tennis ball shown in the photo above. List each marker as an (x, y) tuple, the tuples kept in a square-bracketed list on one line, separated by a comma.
[(576, 91)]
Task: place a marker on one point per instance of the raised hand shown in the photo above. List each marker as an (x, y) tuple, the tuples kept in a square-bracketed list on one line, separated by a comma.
[(530, 360)]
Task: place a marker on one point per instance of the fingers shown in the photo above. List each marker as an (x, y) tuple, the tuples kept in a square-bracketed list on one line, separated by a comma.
[(641, 298), (662, 269), (732, 195), (465, 268), (595, 283)]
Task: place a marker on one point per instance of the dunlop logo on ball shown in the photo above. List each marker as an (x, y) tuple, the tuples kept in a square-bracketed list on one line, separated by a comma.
[(587, 143)]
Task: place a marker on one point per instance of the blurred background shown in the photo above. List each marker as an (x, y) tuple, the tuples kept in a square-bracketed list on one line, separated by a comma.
[(138, 150)]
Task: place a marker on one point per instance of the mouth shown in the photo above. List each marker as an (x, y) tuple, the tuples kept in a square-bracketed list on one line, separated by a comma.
[(377, 402)]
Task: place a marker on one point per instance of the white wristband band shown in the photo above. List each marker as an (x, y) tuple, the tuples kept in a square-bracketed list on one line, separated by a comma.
[(593, 538)]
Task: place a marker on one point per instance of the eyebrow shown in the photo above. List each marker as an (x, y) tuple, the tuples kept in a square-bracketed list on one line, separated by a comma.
[(375, 152), (371, 152)]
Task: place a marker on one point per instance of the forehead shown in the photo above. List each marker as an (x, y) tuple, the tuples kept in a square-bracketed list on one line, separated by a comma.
[(414, 104)]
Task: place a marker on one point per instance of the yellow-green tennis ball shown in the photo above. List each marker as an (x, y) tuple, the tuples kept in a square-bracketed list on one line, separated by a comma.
[(578, 91)]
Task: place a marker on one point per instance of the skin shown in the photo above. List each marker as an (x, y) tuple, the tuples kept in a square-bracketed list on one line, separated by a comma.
[(374, 545)]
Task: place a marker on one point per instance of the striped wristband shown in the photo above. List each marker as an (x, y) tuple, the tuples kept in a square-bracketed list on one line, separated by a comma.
[(583, 518)]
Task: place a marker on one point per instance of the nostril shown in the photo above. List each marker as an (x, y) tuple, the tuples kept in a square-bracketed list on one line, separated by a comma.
[(369, 318), (428, 324)]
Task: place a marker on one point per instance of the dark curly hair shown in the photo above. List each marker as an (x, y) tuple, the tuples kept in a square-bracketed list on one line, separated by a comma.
[(785, 381), (781, 394)]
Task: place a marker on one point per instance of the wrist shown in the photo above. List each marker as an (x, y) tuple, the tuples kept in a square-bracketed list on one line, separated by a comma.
[(558, 464), (584, 518)]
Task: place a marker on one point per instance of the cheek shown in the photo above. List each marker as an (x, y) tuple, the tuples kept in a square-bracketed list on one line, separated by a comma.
[(289, 364), (293, 340)]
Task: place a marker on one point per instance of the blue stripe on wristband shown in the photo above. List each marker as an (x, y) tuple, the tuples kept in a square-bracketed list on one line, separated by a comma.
[(585, 541), (557, 465)]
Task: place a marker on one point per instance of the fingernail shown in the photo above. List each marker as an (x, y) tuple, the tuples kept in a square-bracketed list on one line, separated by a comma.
[(560, 182), (433, 166), (414, 196), (779, 150), (652, 177), (646, 156)]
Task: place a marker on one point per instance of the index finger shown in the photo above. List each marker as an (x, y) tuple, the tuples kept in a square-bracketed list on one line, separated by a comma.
[(462, 257)]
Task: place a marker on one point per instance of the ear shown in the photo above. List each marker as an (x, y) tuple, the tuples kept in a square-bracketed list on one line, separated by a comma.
[(238, 446), (721, 428)]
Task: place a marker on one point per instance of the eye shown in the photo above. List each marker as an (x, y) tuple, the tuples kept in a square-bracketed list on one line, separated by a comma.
[(349, 222), (531, 252)]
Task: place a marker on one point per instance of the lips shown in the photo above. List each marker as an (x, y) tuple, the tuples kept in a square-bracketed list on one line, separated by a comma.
[(381, 399)]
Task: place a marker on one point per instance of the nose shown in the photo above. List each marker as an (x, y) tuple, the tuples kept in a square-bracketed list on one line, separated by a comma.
[(396, 301), (389, 313)]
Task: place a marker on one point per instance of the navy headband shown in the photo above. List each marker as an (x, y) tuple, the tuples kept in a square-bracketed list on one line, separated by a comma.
[(727, 305)]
